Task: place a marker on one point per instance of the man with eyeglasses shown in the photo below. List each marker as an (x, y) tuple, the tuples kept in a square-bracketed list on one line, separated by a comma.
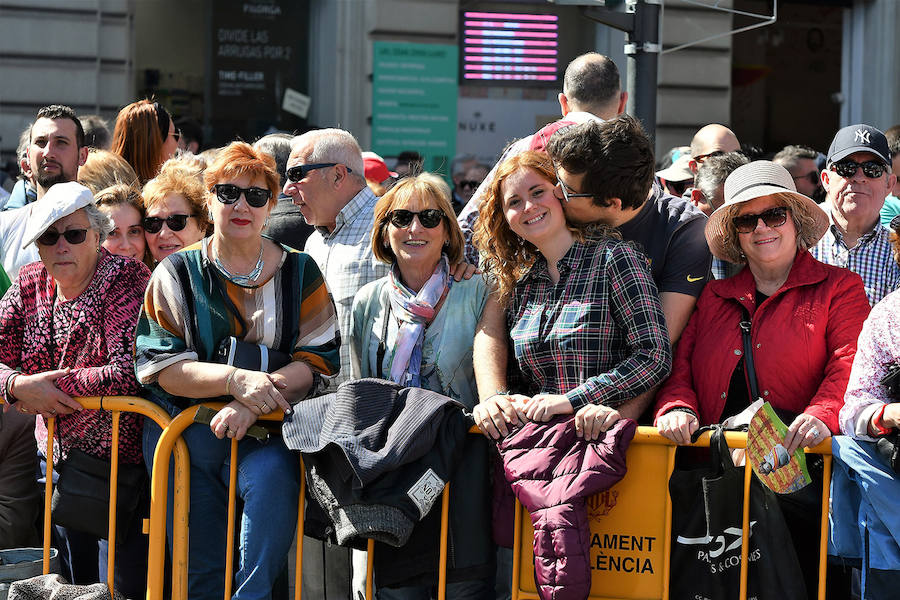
[(55, 151), (591, 92), (857, 177), (711, 140), (800, 161)]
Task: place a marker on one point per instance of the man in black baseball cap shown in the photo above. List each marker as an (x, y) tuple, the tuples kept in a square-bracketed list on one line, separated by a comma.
[(856, 178)]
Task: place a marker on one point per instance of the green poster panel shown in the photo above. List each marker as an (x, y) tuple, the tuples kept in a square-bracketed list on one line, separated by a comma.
[(414, 92)]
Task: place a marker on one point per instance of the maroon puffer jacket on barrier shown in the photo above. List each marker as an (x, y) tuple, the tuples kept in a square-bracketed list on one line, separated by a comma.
[(552, 472)]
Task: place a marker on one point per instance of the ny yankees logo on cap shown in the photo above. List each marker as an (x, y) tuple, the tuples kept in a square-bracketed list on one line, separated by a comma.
[(862, 136), (859, 138)]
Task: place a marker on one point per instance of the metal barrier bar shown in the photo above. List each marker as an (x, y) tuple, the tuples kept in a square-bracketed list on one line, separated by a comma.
[(650, 435), (170, 437), (116, 405)]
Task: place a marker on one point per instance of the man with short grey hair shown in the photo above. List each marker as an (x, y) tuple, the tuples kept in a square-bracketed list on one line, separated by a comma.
[(591, 91), (708, 194), (325, 180), (285, 224), (800, 161)]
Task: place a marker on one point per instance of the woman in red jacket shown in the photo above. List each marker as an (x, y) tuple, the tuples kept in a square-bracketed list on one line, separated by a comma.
[(805, 317)]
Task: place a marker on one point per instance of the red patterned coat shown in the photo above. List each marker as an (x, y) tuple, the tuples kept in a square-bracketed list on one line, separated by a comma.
[(92, 334)]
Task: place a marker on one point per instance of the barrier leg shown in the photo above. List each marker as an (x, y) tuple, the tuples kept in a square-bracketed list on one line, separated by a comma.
[(48, 493), (823, 533), (517, 540), (370, 568), (301, 512), (113, 504), (745, 530), (667, 539), (445, 526), (229, 538)]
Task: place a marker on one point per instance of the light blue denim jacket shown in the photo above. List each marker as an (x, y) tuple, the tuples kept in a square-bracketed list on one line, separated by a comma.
[(447, 350)]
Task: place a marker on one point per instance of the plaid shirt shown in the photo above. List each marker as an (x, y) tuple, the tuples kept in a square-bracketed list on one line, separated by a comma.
[(599, 335), (872, 259), (345, 258)]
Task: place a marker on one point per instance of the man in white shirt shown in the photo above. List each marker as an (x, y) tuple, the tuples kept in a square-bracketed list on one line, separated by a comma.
[(55, 152)]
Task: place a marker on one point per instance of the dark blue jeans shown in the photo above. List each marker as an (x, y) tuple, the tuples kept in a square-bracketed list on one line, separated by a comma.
[(268, 482)]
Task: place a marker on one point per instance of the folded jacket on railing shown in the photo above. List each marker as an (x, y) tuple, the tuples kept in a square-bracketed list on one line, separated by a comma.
[(377, 456), (552, 472)]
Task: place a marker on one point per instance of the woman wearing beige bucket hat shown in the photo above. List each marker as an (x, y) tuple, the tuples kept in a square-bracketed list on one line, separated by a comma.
[(804, 319)]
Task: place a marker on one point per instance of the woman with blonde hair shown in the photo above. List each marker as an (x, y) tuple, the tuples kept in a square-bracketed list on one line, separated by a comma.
[(175, 209), (104, 169), (145, 136), (415, 327)]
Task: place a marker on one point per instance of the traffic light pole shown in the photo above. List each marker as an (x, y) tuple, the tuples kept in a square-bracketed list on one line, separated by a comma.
[(640, 22)]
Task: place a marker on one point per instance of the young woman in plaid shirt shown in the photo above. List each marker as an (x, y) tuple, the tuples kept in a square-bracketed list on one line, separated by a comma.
[(586, 324)]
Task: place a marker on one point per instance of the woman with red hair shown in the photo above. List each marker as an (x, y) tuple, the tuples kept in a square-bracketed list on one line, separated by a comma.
[(145, 136), (237, 287)]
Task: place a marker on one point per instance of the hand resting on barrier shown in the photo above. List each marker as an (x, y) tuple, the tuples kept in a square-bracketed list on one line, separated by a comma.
[(806, 430), (678, 426), (259, 392), (498, 414), (594, 419), (38, 394), (543, 407), (232, 421)]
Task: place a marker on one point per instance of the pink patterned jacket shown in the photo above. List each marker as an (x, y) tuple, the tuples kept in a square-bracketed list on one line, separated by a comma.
[(92, 334)]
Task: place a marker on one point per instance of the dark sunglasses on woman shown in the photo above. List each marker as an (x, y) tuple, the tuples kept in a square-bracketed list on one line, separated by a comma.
[(73, 236), (228, 193), (429, 218), (773, 217), (175, 223)]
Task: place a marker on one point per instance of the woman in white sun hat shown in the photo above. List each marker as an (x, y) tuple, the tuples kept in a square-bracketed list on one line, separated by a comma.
[(804, 319)]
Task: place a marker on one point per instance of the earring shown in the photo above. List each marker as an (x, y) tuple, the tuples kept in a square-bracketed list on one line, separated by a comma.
[(266, 224), (209, 215)]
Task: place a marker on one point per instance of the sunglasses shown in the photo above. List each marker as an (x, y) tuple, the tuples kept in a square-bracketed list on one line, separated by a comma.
[(677, 188), (468, 184), (812, 177), (177, 135), (429, 218), (847, 168), (228, 193), (73, 236), (702, 157), (175, 223), (299, 172), (773, 217)]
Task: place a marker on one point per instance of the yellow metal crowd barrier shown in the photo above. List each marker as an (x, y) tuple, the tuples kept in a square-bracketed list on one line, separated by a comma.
[(116, 405), (631, 525), (170, 437)]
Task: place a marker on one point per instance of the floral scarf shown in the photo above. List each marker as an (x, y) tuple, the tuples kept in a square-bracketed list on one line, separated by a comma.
[(414, 312)]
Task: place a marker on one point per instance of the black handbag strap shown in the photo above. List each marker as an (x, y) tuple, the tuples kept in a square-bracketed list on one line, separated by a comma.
[(382, 349), (748, 354)]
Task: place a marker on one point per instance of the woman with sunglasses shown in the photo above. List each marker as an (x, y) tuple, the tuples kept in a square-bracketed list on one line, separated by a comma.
[(67, 328), (804, 319), (236, 283), (175, 214), (415, 327), (146, 137)]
